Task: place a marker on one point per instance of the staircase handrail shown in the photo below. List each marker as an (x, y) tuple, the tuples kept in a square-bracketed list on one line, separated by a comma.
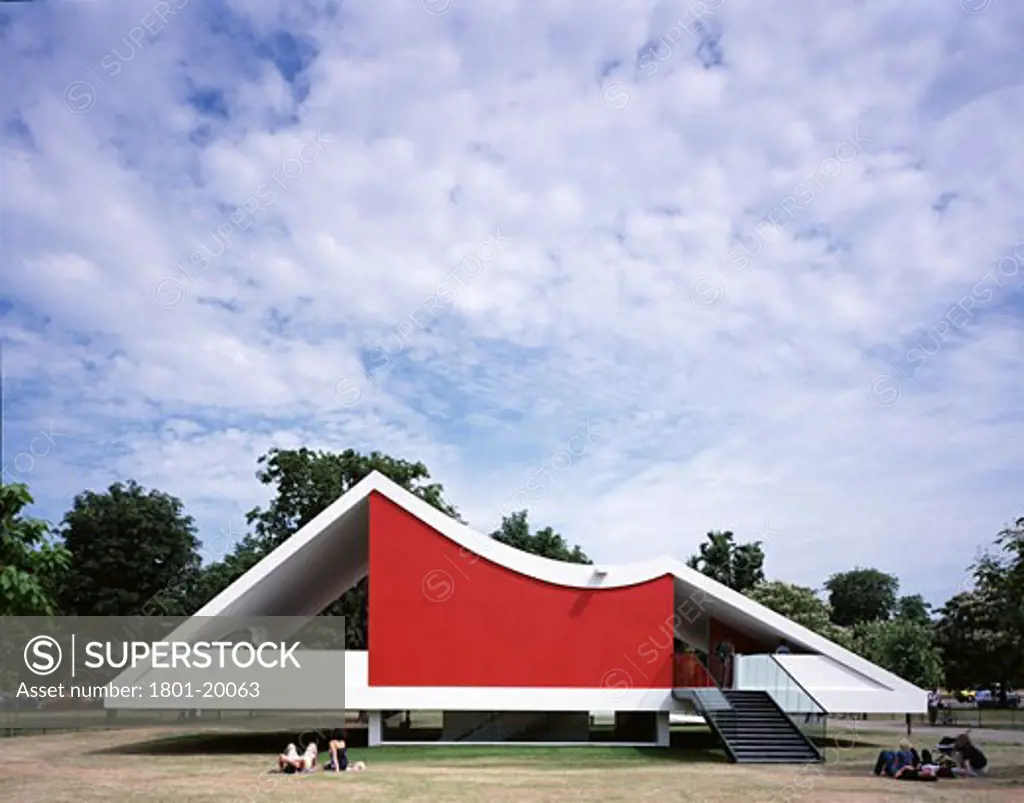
[(800, 685), (715, 726)]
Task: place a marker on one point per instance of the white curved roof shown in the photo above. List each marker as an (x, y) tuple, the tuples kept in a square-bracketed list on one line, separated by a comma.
[(293, 577)]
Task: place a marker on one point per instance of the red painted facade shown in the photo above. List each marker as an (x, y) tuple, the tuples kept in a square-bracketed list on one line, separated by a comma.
[(740, 643), (691, 673), (439, 616)]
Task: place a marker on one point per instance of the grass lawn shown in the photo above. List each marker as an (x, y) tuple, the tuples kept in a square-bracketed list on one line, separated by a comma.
[(88, 767)]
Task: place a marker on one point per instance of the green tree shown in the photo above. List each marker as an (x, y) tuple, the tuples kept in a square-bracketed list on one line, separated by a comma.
[(127, 547), (515, 531), (999, 579), (968, 633), (903, 646), (738, 566), (913, 608), (31, 564), (861, 595), (801, 605), (306, 482)]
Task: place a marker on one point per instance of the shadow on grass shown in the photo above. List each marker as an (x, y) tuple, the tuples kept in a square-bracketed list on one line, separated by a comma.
[(689, 747), (851, 742)]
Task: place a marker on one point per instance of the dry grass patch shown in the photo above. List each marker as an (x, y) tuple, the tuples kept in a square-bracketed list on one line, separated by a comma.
[(101, 767)]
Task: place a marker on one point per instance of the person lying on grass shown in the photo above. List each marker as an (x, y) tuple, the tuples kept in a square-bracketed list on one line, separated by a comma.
[(892, 761), (290, 761), (339, 755), (940, 766)]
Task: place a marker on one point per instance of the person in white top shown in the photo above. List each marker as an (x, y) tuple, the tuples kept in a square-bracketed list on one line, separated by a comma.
[(934, 699), (291, 761)]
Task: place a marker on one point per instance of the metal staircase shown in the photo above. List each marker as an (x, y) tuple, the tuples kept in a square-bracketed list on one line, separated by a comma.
[(753, 729)]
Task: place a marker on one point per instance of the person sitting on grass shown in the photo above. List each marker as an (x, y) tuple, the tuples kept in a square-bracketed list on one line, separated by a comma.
[(339, 756), (968, 757), (291, 762)]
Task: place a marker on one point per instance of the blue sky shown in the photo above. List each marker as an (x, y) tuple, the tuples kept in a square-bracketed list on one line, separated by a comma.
[(768, 256)]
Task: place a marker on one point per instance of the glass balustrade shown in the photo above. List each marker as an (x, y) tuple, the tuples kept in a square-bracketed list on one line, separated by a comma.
[(765, 673)]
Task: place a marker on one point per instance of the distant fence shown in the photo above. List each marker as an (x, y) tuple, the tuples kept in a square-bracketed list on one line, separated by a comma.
[(962, 716)]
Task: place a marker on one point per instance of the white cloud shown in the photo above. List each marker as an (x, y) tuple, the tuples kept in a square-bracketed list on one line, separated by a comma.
[(750, 412)]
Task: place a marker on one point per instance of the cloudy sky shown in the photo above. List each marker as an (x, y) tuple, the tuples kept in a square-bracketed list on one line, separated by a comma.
[(648, 268)]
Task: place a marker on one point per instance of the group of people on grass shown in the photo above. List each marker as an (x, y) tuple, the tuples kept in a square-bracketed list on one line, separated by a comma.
[(956, 757), (291, 761)]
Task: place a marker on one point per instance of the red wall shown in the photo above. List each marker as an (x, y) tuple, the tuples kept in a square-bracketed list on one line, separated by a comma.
[(439, 616), (742, 645)]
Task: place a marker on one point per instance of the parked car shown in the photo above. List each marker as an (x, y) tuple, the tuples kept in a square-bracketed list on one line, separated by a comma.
[(994, 699)]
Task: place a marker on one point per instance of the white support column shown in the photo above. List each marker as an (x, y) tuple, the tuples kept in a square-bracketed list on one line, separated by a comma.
[(664, 729), (374, 730)]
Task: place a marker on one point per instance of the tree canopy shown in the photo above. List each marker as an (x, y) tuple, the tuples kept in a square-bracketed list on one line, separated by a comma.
[(802, 605), (913, 608), (515, 531), (968, 634), (903, 646), (999, 575), (305, 482), (861, 595), (126, 547), (738, 566), (981, 632), (31, 564)]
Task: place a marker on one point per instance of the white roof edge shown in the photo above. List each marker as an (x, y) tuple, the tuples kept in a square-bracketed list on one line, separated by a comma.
[(572, 575)]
